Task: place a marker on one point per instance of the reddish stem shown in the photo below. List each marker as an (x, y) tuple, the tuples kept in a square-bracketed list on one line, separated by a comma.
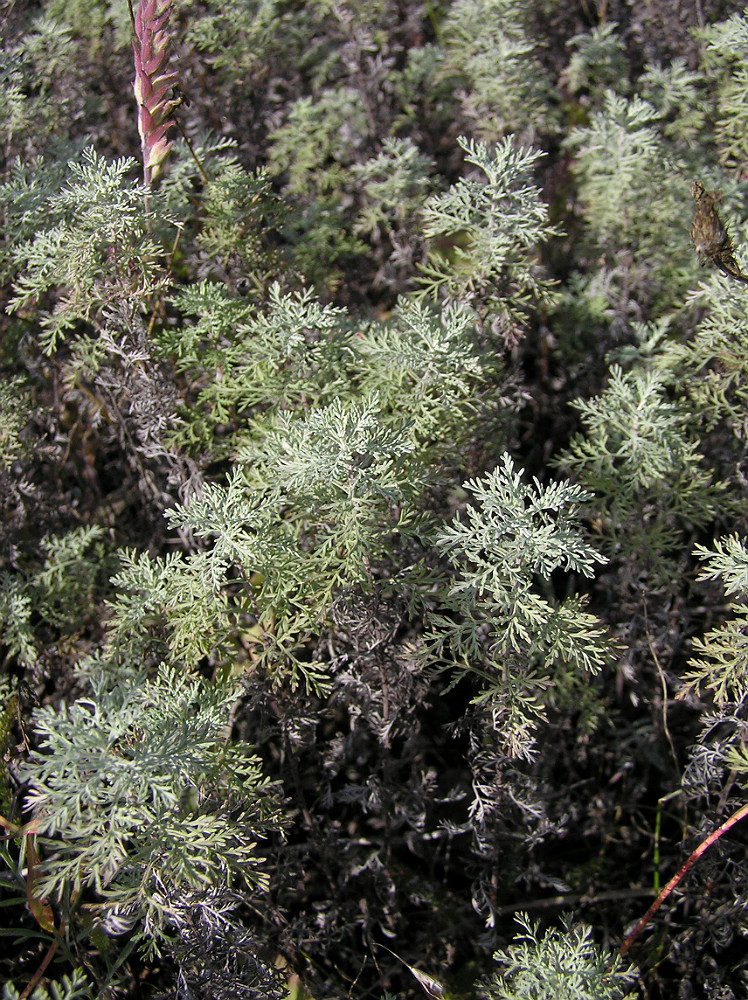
[(666, 890), (42, 968)]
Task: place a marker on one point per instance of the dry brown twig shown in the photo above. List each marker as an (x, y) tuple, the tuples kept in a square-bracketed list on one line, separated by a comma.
[(709, 236)]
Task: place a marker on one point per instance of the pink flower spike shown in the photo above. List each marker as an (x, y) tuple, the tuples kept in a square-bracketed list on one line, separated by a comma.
[(154, 77)]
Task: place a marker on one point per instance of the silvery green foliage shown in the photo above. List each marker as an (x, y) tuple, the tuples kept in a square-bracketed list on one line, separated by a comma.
[(680, 97), (139, 796), (620, 161), (316, 144), (598, 60), (394, 186), (239, 208), (712, 366), (16, 610), (252, 362), (59, 591), (314, 150), (94, 249), (258, 366), (27, 192), (494, 225), (321, 503), (633, 195), (720, 663), (638, 452), (334, 432), (727, 562), (41, 82), (216, 32), (488, 45), (16, 412), (726, 60), (171, 606), (502, 626), (426, 368), (561, 964), (395, 183), (96, 25)]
